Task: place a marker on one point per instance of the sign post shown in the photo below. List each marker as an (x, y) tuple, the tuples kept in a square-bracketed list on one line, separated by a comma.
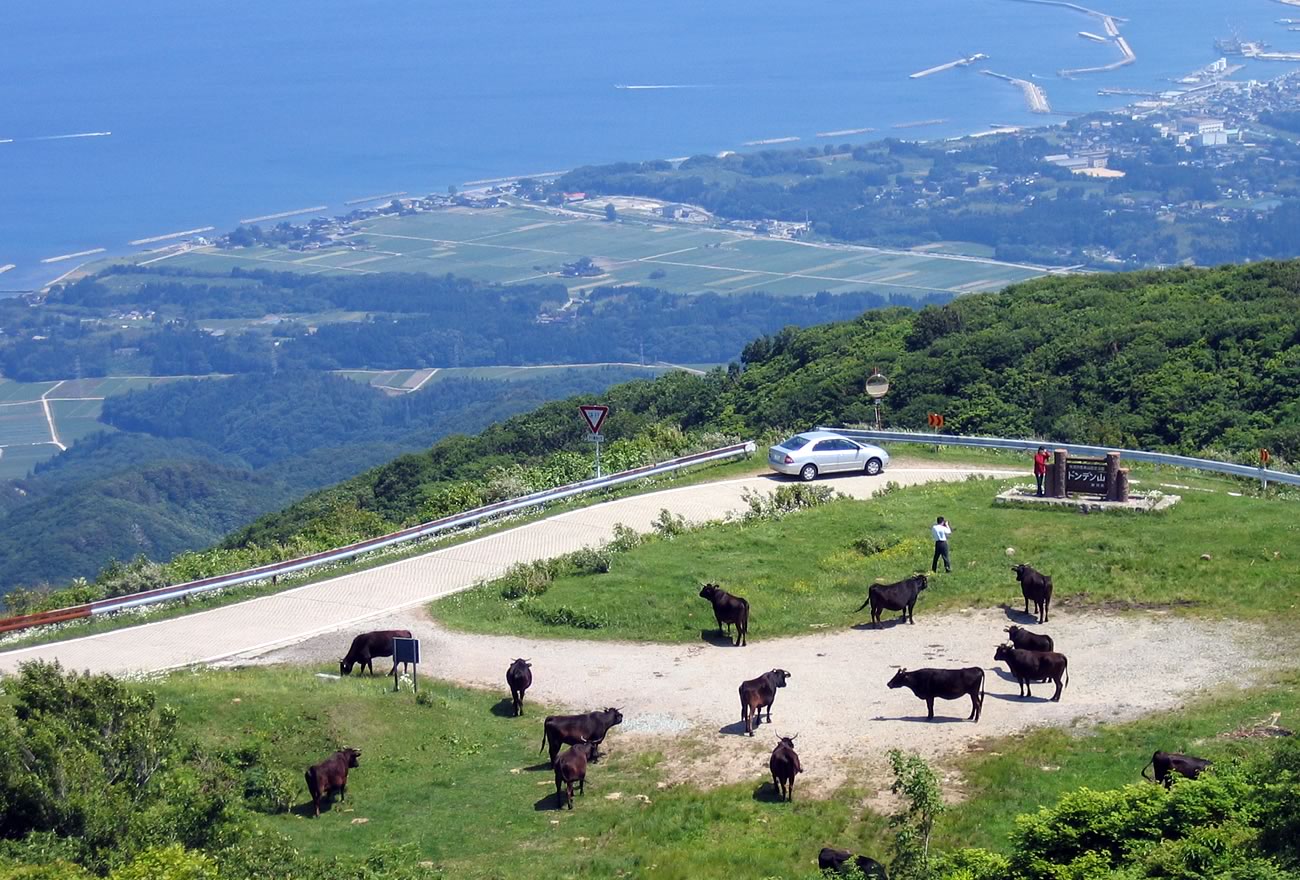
[(877, 386), (1264, 458), (593, 414), (407, 651)]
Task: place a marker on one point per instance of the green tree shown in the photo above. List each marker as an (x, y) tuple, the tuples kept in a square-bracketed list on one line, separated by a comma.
[(913, 825), (611, 213)]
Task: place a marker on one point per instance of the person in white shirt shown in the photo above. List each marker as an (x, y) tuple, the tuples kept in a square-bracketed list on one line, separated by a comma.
[(941, 530)]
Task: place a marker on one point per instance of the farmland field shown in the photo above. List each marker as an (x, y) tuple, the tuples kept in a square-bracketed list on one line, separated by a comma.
[(75, 405), (512, 245)]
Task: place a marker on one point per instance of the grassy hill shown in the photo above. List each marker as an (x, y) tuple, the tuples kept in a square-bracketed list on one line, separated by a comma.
[(1184, 360)]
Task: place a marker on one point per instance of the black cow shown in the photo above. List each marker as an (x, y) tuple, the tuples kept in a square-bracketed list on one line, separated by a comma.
[(1168, 763), (520, 678), (1036, 587), (900, 596), (841, 861), (785, 766), (571, 767), (367, 646), (757, 694), (728, 610), (1025, 640), (330, 775), (1029, 666), (945, 684), (590, 727)]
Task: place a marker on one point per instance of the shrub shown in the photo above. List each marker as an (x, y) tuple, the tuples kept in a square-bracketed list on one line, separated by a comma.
[(784, 500), (592, 560), (562, 616), (624, 539), (870, 545), (526, 579), (669, 525)]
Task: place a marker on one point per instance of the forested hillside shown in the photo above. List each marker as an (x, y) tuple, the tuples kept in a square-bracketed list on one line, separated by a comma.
[(1185, 360), (164, 322), (194, 460)]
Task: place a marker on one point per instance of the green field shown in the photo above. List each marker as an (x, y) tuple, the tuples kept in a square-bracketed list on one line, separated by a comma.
[(433, 777), (511, 245), (812, 568), (75, 405)]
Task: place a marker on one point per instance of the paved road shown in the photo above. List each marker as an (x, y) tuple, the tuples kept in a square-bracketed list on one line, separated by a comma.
[(344, 602)]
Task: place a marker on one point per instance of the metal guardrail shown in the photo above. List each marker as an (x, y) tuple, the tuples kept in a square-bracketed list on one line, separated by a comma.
[(1202, 464), (423, 530)]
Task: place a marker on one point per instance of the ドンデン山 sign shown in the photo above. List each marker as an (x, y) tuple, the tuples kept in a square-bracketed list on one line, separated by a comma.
[(1087, 475), (1103, 477)]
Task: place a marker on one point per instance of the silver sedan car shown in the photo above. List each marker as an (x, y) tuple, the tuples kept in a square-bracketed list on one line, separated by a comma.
[(822, 452)]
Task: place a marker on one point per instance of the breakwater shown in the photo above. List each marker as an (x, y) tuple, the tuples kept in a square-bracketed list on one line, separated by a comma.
[(1035, 96)]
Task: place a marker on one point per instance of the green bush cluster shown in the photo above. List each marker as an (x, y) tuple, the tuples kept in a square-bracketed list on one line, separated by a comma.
[(563, 616), (784, 500)]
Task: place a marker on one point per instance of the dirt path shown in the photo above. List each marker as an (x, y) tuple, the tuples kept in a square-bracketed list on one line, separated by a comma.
[(682, 699)]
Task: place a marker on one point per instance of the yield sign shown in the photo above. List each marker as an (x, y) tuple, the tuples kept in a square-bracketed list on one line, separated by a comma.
[(594, 415)]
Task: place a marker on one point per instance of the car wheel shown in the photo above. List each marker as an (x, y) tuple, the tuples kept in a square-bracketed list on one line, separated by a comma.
[(808, 473), (874, 466)]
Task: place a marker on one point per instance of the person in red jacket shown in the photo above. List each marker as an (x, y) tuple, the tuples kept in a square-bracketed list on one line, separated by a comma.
[(1040, 469)]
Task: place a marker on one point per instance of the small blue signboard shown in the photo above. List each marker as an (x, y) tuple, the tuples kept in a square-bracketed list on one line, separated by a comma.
[(407, 651)]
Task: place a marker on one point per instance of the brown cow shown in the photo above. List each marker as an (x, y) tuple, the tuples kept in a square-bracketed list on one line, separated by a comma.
[(785, 766), (331, 774), (944, 684), (728, 609), (1028, 666), (557, 730), (520, 678), (758, 694), (571, 767), (841, 861), (370, 645), (1166, 764), (1036, 587)]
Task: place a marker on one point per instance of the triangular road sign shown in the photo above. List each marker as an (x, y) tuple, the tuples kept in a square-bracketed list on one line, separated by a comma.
[(594, 415)]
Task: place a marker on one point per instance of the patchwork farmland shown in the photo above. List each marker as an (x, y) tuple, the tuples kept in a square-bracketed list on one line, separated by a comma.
[(511, 245)]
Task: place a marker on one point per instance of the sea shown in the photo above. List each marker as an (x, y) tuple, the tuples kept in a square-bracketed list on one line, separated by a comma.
[(121, 122)]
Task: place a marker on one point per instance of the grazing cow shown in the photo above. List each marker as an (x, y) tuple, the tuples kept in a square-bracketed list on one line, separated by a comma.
[(367, 646), (1025, 640), (520, 678), (728, 609), (785, 766), (757, 694), (945, 684), (900, 596), (1036, 587), (1168, 763), (571, 767), (590, 727), (841, 861), (1029, 666), (331, 774)]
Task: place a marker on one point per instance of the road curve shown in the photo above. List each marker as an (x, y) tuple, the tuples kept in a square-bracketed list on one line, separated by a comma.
[(292, 616)]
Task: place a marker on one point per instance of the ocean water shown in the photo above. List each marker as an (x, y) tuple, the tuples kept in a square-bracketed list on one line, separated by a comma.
[(225, 111)]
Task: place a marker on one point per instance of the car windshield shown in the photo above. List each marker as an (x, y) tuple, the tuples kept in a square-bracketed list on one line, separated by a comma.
[(798, 441)]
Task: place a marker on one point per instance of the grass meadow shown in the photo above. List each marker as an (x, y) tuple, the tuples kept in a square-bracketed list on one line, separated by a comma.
[(812, 569), (457, 779)]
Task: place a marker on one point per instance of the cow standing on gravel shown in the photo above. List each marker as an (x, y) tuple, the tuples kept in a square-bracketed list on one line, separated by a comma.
[(1166, 764), (900, 596), (944, 684), (367, 646), (728, 610), (571, 767), (1029, 666), (331, 775), (591, 727), (520, 678), (785, 766), (1036, 587), (758, 694), (1027, 641)]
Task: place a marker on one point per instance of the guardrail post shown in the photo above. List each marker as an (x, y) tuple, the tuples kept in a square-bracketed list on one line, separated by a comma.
[(1263, 478)]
